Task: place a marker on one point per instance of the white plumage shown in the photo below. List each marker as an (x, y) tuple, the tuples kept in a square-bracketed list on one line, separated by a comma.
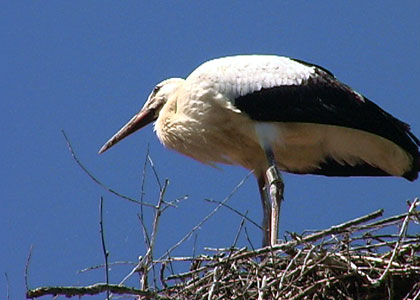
[(266, 112), (240, 75)]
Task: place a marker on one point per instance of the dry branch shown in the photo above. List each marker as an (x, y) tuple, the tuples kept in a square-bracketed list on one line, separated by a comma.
[(94, 289)]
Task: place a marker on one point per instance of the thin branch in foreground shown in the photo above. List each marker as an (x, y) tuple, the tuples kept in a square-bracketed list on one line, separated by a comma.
[(385, 222), (152, 165), (147, 259), (194, 244), (7, 286), (143, 181), (146, 238), (241, 225), (115, 263), (73, 154), (235, 211), (158, 213), (105, 252), (249, 239), (343, 226), (140, 216), (28, 261)]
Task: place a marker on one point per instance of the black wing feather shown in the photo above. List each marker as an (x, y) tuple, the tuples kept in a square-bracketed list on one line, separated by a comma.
[(322, 99)]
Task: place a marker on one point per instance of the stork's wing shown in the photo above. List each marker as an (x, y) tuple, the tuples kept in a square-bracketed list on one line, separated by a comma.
[(279, 89), (322, 99)]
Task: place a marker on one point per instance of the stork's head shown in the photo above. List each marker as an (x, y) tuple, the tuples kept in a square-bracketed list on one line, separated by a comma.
[(149, 113)]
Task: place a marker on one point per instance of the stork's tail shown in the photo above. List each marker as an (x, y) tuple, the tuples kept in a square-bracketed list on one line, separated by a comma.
[(415, 169)]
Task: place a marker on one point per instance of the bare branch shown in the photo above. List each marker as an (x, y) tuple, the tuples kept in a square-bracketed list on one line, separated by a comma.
[(147, 259), (7, 286), (105, 252), (158, 212), (115, 263), (152, 165), (143, 182), (28, 261), (146, 238), (241, 225), (235, 211), (344, 226), (70, 291), (73, 154), (249, 239)]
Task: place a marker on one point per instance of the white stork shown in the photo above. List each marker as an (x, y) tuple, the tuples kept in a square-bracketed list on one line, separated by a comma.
[(269, 113)]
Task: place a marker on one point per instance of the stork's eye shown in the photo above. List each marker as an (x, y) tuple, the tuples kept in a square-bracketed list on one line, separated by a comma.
[(156, 89)]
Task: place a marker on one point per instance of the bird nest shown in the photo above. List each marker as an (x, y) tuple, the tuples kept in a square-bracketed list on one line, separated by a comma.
[(348, 261), (365, 258)]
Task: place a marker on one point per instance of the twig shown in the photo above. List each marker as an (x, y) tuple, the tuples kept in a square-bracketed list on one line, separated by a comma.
[(312, 287), (105, 252), (378, 245), (343, 226), (148, 257), (73, 154), (143, 181), (292, 261), (152, 165), (146, 238), (115, 263), (235, 211), (214, 283), (28, 260), (186, 258), (402, 233), (194, 245), (158, 213), (241, 225), (354, 267), (261, 286), (215, 262), (305, 261), (7, 286), (248, 239), (417, 296), (386, 221)]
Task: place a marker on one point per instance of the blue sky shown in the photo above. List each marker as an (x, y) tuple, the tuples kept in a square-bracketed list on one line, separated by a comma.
[(87, 66)]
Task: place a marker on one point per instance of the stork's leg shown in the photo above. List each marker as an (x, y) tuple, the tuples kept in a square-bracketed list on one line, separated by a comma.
[(266, 223), (276, 188)]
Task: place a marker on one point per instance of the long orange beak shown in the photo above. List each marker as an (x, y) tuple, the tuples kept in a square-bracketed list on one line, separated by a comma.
[(140, 120)]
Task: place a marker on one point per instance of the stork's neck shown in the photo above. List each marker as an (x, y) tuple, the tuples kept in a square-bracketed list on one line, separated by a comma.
[(165, 120)]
